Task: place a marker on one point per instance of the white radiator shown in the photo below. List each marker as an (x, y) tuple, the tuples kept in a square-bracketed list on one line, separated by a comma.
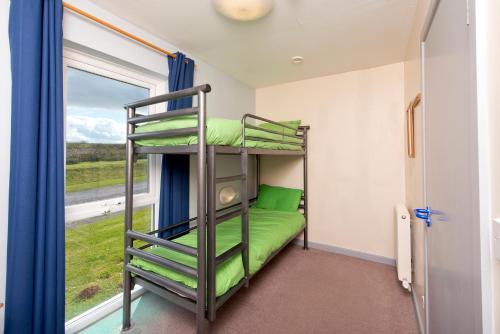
[(403, 245)]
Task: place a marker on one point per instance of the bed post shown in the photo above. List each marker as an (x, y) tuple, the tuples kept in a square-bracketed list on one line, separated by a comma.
[(306, 195), (211, 241), (244, 212), (201, 213), (257, 172), (257, 167), (129, 208)]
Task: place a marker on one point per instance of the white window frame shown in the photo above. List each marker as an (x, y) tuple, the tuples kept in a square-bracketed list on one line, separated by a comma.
[(98, 66), (83, 61)]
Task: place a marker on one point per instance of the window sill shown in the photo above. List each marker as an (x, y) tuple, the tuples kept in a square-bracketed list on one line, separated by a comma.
[(99, 312)]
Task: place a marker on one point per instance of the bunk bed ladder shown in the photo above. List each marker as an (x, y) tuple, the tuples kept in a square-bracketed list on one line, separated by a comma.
[(211, 223), (213, 220)]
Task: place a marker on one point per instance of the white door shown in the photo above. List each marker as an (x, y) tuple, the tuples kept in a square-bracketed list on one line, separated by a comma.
[(451, 170)]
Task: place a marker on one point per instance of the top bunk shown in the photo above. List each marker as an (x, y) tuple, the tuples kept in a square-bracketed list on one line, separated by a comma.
[(185, 131)]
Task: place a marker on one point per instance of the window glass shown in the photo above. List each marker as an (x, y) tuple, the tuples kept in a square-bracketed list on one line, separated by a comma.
[(95, 171), (94, 259), (95, 137)]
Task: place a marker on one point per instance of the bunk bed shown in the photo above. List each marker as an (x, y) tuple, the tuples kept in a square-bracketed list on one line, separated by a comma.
[(201, 268)]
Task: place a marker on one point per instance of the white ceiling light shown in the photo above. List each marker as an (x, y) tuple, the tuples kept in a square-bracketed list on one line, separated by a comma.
[(297, 59), (243, 10)]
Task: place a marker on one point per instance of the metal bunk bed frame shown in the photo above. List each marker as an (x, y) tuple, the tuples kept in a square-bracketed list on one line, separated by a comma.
[(202, 300)]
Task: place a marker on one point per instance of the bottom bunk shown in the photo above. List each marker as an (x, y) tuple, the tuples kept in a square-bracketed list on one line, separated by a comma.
[(269, 231)]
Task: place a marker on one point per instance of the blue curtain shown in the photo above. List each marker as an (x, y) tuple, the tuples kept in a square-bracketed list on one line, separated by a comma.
[(174, 191), (35, 251)]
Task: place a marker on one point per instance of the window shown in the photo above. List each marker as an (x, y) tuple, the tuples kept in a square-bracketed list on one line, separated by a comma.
[(95, 131), (95, 137)]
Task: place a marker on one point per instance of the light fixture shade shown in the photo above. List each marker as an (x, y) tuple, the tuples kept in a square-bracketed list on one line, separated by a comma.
[(243, 10)]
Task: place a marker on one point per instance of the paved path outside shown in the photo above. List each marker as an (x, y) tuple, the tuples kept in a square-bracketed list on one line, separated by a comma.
[(97, 194)]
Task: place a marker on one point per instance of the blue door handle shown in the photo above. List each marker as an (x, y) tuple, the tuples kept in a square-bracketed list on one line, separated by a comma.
[(424, 214)]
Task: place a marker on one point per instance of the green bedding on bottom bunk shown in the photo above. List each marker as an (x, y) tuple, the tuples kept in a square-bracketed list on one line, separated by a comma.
[(269, 230), (220, 131)]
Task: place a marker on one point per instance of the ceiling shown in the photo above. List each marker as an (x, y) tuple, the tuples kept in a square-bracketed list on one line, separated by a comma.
[(333, 36)]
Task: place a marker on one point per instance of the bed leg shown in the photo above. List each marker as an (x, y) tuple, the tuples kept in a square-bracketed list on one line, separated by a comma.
[(127, 294), (202, 324), (306, 241)]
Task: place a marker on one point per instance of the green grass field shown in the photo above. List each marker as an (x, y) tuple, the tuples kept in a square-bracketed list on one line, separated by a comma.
[(94, 259), (94, 247), (91, 175)]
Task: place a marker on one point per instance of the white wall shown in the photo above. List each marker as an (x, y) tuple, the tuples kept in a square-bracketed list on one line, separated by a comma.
[(414, 167), (488, 85), (356, 148), (5, 83)]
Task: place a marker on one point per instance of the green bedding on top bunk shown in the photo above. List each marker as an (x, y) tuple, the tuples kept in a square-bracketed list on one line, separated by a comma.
[(220, 131), (269, 230)]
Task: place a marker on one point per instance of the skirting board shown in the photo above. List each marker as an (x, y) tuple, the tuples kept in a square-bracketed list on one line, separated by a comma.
[(349, 252), (417, 312)]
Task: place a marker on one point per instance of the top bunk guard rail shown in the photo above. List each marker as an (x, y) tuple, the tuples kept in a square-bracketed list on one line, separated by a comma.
[(164, 133), (243, 120), (169, 96), (301, 136), (249, 126), (167, 114)]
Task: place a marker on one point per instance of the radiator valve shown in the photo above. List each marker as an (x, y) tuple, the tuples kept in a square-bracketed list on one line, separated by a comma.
[(406, 284)]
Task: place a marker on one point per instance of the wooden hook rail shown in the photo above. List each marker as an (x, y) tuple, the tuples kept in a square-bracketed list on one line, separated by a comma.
[(410, 125)]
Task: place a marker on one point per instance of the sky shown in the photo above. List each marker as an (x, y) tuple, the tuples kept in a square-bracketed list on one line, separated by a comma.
[(94, 105)]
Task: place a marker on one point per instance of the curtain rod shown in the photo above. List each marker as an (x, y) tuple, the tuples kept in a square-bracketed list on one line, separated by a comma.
[(118, 30)]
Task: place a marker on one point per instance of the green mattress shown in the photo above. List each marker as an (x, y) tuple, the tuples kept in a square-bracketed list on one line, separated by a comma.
[(269, 230), (220, 131)]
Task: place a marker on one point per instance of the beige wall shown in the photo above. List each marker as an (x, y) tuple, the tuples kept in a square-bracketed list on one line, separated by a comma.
[(356, 148), (414, 167)]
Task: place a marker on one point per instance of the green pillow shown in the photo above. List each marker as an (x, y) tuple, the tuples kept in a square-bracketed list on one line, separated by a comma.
[(278, 198), (274, 127)]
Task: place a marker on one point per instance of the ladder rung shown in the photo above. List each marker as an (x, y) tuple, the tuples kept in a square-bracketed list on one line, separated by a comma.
[(229, 215), (230, 178), (229, 253)]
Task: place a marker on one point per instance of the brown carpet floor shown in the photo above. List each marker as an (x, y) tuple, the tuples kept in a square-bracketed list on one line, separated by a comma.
[(301, 292)]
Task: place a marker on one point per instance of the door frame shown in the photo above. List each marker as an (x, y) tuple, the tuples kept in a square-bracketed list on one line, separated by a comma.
[(482, 239)]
